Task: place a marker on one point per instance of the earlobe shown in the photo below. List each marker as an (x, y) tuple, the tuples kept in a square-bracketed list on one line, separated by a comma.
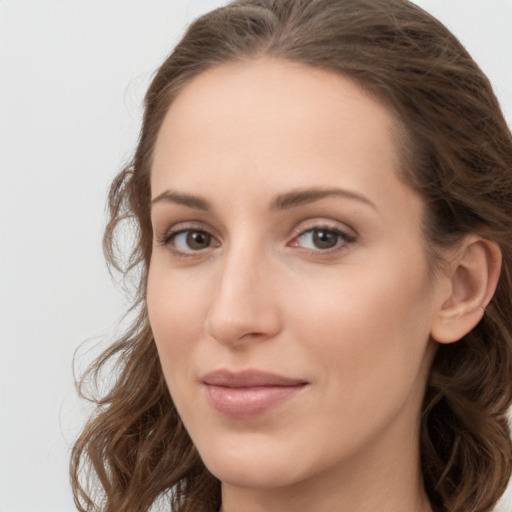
[(472, 278)]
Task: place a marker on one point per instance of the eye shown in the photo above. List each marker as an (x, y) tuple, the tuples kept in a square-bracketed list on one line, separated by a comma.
[(188, 241), (323, 239)]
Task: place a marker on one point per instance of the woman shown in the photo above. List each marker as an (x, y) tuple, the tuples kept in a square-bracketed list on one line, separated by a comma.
[(322, 196)]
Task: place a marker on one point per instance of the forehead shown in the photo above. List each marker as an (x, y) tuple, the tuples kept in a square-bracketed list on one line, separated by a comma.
[(274, 92), (275, 121)]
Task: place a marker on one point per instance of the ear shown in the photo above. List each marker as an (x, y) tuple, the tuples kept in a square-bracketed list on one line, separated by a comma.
[(471, 278)]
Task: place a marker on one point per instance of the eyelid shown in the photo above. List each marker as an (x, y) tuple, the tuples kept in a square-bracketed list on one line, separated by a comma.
[(347, 235), (163, 237), (320, 223), (166, 238)]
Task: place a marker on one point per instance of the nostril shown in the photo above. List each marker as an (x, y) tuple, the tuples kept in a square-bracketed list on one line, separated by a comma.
[(236, 325), (229, 330), (243, 307)]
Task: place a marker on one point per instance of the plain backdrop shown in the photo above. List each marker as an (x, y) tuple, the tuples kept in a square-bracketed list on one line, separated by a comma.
[(72, 77)]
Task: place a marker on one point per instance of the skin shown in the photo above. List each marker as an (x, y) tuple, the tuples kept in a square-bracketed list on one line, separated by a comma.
[(354, 320)]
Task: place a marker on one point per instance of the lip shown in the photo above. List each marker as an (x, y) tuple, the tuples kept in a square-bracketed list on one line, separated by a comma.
[(249, 393)]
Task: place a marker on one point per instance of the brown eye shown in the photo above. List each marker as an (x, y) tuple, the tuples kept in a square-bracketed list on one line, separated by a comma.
[(325, 239), (198, 240), (188, 241)]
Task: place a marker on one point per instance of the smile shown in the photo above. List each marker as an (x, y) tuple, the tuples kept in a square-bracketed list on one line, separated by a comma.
[(250, 393)]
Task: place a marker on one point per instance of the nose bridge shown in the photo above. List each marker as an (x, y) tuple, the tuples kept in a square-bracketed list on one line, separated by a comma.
[(243, 305)]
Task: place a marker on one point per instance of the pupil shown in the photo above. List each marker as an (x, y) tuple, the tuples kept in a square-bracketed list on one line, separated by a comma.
[(198, 240), (325, 239)]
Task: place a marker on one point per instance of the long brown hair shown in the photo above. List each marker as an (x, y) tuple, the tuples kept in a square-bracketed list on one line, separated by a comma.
[(456, 151)]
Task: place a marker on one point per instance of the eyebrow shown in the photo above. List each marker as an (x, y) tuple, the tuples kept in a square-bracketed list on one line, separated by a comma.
[(284, 201), (194, 202), (304, 196)]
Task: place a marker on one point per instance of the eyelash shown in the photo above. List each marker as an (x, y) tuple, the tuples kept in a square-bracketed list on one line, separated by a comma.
[(172, 234), (343, 239)]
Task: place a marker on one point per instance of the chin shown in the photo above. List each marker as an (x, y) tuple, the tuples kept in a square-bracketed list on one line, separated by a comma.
[(252, 475), (254, 465)]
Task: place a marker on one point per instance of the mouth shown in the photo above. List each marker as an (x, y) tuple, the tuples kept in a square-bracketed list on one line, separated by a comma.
[(250, 393)]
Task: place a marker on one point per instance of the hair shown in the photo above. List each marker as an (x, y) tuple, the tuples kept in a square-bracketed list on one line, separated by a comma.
[(456, 151)]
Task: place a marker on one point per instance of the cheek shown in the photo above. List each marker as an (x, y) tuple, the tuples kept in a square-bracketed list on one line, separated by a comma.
[(176, 309), (369, 331)]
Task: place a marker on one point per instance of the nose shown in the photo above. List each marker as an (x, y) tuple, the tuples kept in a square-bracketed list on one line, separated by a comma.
[(244, 306)]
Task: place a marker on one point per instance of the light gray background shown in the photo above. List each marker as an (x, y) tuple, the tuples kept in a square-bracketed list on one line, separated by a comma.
[(72, 77)]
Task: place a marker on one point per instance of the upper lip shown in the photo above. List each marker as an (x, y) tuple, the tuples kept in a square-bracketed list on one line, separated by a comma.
[(248, 378)]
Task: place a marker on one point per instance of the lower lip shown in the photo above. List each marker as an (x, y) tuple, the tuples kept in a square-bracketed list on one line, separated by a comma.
[(243, 403)]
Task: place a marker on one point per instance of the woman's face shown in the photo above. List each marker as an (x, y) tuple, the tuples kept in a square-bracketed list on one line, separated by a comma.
[(289, 291)]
